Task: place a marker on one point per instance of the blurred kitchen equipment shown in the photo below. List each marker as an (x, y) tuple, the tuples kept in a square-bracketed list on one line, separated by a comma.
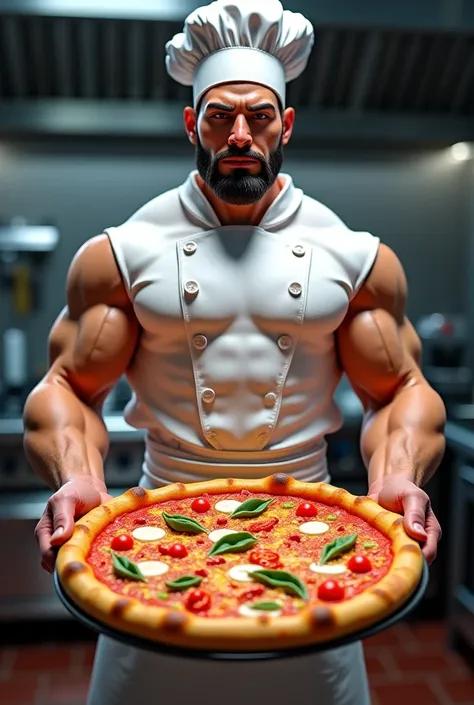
[(15, 370), (445, 348)]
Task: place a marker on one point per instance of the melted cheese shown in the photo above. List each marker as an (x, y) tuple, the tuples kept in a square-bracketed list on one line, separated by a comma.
[(152, 568), (247, 611), (219, 533), (148, 533), (313, 527), (337, 569), (241, 572), (227, 506)]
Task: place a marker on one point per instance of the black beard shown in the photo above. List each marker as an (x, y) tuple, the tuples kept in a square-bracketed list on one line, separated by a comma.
[(239, 188)]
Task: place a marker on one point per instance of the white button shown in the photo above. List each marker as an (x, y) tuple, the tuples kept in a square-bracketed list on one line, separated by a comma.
[(299, 250), (190, 248), (295, 289), (200, 342), (191, 289), (270, 399), (284, 342), (208, 396)]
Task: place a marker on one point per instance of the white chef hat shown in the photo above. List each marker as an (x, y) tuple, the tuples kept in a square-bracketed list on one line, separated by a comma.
[(253, 41)]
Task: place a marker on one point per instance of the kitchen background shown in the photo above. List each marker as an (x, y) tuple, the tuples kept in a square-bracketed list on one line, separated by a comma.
[(91, 128)]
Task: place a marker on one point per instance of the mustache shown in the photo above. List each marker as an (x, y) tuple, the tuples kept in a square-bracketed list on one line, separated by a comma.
[(237, 152)]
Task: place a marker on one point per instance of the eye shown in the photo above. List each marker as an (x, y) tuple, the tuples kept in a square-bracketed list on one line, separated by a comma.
[(220, 116), (262, 115)]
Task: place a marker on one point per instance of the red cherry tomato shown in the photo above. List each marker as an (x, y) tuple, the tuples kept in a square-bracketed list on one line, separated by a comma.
[(177, 550), (222, 521), (197, 600), (265, 558), (202, 572), (200, 505), (164, 550), (331, 591), (122, 542), (215, 560), (306, 510), (252, 592), (359, 564)]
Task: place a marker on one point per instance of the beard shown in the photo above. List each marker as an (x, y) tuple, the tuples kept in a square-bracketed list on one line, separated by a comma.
[(239, 188)]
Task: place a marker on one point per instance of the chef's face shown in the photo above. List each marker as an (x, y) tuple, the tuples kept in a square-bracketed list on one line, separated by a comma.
[(239, 132)]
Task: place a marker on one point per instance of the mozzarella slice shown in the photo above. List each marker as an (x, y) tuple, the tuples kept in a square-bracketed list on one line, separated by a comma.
[(152, 568), (247, 611), (219, 533), (337, 569), (148, 533), (241, 572), (227, 506), (314, 527)]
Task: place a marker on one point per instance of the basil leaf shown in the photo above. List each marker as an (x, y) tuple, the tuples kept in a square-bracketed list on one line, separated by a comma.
[(370, 544), (331, 517), (281, 579), (337, 547), (183, 583), (251, 508), (126, 568), (288, 505), (233, 543), (267, 606), (162, 595), (178, 522)]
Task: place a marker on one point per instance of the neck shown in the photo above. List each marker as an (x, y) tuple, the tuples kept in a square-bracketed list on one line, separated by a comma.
[(229, 214)]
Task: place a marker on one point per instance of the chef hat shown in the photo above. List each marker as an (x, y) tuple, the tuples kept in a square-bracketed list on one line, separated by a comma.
[(253, 41)]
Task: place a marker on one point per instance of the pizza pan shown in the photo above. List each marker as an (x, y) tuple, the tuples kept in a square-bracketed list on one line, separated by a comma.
[(141, 643)]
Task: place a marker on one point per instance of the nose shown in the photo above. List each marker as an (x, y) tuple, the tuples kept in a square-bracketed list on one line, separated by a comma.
[(240, 134)]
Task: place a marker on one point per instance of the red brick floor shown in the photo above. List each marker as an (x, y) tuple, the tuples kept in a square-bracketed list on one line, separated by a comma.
[(408, 664)]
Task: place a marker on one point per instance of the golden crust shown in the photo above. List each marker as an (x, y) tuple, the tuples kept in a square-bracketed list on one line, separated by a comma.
[(313, 624)]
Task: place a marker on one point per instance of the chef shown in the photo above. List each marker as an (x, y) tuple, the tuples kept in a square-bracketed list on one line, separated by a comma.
[(234, 303)]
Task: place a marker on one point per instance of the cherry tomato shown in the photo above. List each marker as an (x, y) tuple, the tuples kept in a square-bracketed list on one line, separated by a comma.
[(331, 591), (252, 592), (197, 600), (306, 510), (140, 520), (164, 550), (122, 542), (202, 572), (359, 564), (295, 537), (265, 525), (200, 505), (200, 541), (215, 560), (177, 550), (222, 521), (265, 558)]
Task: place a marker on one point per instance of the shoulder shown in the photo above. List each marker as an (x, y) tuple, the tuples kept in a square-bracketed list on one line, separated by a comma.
[(385, 286)]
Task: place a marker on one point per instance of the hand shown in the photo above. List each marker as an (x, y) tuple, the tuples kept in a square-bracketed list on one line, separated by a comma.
[(74, 499), (400, 495)]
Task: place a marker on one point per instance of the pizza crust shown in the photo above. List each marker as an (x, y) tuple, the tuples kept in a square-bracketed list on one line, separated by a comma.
[(313, 624)]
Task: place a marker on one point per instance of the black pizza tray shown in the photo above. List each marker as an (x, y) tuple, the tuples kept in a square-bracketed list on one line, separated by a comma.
[(168, 650)]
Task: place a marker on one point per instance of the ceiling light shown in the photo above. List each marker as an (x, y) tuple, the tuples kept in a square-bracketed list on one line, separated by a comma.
[(461, 151)]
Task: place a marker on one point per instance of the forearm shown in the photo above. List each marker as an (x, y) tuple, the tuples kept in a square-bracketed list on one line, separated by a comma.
[(406, 436), (63, 437)]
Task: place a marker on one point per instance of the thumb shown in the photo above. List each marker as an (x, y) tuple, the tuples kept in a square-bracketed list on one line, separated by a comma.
[(415, 506), (63, 512)]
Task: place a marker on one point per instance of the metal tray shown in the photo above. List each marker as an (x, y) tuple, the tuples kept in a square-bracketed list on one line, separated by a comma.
[(167, 650)]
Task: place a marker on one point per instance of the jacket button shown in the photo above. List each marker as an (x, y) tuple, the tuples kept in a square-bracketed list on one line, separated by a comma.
[(191, 290), (295, 289), (284, 342), (200, 342), (299, 251), (270, 400), (208, 395), (189, 248)]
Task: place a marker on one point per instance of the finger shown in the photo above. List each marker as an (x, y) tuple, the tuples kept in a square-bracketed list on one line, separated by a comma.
[(63, 512), (415, 506), (433, 530), (43, 533)]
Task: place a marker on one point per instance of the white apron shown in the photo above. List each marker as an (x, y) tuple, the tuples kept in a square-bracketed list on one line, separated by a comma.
[(125, 675)]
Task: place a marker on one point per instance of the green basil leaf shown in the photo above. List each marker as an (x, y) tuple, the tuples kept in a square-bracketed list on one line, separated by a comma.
[(370, 544), (162, 595), (281, 579), (288, 505), (233, 543), (266, 606), (126, 568), (183, 583), (177, 522), (337, 547), (331, 517), (251, 508)]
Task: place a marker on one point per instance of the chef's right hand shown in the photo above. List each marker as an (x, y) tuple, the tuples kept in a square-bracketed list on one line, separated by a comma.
[(74, 499)]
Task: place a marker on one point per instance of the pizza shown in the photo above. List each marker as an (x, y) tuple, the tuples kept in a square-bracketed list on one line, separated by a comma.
[(239, 565)]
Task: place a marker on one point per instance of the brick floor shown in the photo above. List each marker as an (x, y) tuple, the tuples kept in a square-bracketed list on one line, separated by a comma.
[(409, 664)]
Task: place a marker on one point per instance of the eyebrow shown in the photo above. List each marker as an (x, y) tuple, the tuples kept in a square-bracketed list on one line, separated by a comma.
[(251, 108)]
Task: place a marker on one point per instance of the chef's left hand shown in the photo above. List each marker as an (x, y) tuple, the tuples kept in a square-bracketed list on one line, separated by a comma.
[(400, 495)]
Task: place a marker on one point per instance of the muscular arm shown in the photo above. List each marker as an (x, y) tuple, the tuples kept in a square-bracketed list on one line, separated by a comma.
[(90, 347), (402, 431)]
